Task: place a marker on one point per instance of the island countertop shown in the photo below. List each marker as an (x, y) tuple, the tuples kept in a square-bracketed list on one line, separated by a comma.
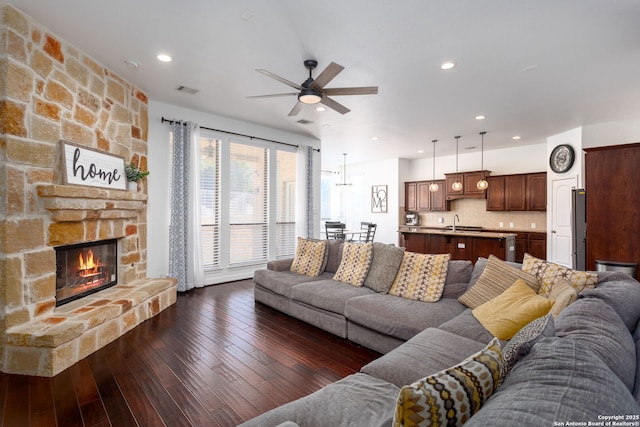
[(448, 232)]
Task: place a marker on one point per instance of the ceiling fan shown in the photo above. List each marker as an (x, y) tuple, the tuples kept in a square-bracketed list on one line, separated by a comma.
[(313, 91)]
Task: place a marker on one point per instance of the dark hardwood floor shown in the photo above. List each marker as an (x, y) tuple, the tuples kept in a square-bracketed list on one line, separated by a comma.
[(215, 358)]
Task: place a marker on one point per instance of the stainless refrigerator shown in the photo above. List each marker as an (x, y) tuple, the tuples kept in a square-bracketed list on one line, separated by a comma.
[(579, 226)]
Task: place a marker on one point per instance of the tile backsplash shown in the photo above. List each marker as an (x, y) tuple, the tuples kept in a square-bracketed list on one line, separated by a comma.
[(472, 212)]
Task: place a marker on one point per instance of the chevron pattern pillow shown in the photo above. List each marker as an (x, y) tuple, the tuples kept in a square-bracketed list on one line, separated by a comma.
[(309, 258), (356, 260), (421, 277)]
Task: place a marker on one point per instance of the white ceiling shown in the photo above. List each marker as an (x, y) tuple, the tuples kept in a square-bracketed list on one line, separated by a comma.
[(533, 68)]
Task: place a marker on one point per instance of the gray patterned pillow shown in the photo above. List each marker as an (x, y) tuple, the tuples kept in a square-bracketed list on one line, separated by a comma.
[(521, 343)]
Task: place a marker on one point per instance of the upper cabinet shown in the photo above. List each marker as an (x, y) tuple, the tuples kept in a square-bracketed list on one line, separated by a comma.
[(419, 198), (469, 182), (521, 192)]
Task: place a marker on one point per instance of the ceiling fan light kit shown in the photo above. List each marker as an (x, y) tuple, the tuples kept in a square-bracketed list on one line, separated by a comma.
[(313, 91)]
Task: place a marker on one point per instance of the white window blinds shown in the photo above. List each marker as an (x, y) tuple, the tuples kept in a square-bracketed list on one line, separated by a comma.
[(286, 204), (210, 201)]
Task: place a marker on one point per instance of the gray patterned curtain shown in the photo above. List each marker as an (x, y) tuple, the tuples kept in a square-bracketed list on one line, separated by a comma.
[(185, 254), (304, 208)]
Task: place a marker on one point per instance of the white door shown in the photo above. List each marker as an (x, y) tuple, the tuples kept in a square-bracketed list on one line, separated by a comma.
[(561, 230)]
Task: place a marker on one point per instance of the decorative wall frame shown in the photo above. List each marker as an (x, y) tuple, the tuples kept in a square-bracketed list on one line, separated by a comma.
[(378, 198), (91, 167)]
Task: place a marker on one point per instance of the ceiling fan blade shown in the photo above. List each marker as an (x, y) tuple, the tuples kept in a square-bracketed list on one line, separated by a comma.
[(274, 95), (296, 109), (280, 79), (365, 90), (334, 105), (326, 75)]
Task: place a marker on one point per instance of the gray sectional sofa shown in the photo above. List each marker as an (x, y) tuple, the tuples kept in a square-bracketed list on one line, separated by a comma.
[(583, 367)]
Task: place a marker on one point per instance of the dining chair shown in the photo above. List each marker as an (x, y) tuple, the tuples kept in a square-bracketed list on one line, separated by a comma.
[(334, 230), (370, 229)]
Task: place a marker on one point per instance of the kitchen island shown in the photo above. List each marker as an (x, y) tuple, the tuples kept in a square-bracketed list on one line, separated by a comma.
[(463, 243)]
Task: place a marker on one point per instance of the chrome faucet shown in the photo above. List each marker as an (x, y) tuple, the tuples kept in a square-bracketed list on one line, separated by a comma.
[(454, 221)]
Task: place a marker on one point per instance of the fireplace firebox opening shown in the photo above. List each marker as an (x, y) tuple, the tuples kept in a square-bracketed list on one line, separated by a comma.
[(85, 268)]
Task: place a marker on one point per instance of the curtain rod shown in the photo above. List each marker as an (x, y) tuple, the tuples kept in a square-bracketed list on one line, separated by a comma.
[(170, 121)]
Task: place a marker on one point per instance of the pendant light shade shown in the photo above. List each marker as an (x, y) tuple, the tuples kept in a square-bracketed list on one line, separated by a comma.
[(344, 182), (482, 184), (433, 187), (457, 185)]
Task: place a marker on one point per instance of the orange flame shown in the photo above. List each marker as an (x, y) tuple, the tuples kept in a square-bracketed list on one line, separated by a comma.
[(88, 265)]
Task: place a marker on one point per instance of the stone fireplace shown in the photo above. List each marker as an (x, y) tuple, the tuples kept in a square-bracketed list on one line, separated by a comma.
[(50, 91)]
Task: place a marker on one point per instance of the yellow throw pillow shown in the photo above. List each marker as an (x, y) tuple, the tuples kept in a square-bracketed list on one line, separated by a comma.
[(549, 273), (563, 294), (452, 396), (309, 258), (497, 277), (510, 311), (355, 263), (421, 277)]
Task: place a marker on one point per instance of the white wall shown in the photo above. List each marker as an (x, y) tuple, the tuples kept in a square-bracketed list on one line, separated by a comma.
[(611, 133), (158, 181)]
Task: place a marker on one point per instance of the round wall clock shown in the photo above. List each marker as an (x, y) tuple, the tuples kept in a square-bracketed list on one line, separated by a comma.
[(562, 158)]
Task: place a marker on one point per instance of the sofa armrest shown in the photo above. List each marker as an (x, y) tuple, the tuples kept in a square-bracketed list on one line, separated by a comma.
[(280, 264)]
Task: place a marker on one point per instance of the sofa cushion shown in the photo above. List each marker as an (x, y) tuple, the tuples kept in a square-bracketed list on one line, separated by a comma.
[(622, 295), (558, 381), (334, 255), (281, 282), (384, 266), (356, 260), (636, 386), (497, 277), (594, 324), (421, 277), (327, 294), (458, 276), (563, 295), (358, 400), (427, 353), (452, 396), (481, 264), (310, 257), (521, 343), (400, 317), (548, 273), (510, 311), (467, 326)]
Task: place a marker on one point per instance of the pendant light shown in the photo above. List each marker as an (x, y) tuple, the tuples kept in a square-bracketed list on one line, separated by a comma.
[(344, 172), (482, 184), (457, 186), (433, 187)]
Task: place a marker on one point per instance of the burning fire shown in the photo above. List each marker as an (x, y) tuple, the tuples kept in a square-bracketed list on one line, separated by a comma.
[(88, 266)]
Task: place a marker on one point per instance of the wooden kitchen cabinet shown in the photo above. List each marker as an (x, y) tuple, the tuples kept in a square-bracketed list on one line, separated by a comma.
[(469, 182), (418, 198), (411, 196), (415, 242), (521, 192), (537, 245), (461, 247)]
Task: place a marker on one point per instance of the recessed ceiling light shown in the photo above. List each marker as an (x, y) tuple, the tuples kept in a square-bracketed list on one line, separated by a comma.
[(420, 151), (163, 57), (515, 137), (374, 138), (480, 117), (131, 63), (320, 108), (447, 65)]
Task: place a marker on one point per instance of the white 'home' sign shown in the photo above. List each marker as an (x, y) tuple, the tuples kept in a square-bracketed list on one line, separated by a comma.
[(84, 166)]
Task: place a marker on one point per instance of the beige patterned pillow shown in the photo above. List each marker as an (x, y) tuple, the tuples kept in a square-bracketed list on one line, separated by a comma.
[(549, 273), (309, 258), (421, 277), (496, 278), (564, 294), (452, 396), (356, 260)]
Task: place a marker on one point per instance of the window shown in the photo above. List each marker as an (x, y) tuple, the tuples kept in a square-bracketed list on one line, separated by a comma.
[(248, 204)]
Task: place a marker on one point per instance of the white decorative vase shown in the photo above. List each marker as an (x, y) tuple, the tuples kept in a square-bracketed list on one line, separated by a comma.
[(132, 185)]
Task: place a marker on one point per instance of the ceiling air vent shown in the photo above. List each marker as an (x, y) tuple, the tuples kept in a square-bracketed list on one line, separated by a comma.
[(186, 89), (305, 122)]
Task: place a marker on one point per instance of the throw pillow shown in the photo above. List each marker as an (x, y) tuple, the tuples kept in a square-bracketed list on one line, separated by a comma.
[(452, 396), (309, 258), (563, 294), (421, 277), (507, 313), (384, 266), (497, 277), (521, 343), (356, 260), (549, 273)]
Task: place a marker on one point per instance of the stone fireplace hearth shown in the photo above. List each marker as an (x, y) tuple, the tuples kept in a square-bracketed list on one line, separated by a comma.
[(51, 91)]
